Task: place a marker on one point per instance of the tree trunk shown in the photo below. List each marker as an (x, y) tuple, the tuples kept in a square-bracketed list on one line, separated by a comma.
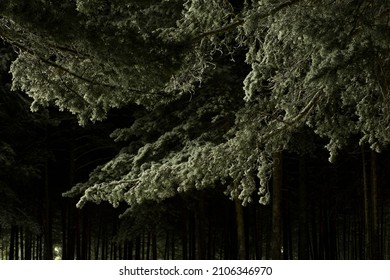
[(64, 230), (98, 238), (184, 236), (47, 221), (199, 229), (287, 231), (85, 234), (28, 245), (16, 242), (268, 235), (257, 233), (70, 219), (21, 236), (277, 182), (366, 206), (154, 245), (11, 255), (148, 242), (130, 250), (375, 241), (173, 246), (78, 234), (240, 223), (303, 238), (137, 248), (39, 247)]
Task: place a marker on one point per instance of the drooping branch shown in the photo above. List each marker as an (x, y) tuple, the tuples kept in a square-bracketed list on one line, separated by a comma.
[(305, 111), (18, 43), (20, 46), (297, 118)]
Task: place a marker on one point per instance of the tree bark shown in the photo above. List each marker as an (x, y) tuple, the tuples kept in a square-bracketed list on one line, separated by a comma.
[(154, 245), (240, 229), (28, 245), (375, 241), (11, 255), (200, 229), (85, 234), (137, 248), (184, 238), (366, 206), (47, 222), (21, 236), (303, 244), (277, 182)]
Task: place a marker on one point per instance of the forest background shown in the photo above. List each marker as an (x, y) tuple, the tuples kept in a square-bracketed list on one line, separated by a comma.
[(194, 129)]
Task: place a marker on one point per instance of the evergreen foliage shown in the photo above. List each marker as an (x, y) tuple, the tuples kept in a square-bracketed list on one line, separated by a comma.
[(221, 88)]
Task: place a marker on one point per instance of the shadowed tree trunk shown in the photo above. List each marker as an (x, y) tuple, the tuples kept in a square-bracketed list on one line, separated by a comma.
[(375, 236), (240, 229), (28, 245), (154, 245), (39, 247), (303, 238), (200, 235), (137, 248), (276, 206), (185, 232), (173, 245), (148, 242), (13, 237), (287, 229), (366, 206), (47, 221), (70, 232), (85, 234), (191, 236), (69, 211), (257, 233)]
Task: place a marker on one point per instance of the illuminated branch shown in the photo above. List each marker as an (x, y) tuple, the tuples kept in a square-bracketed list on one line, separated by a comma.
[(296, 119), (239, 22)]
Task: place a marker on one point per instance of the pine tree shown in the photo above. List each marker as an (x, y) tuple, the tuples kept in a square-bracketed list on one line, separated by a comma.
[(221, 88)]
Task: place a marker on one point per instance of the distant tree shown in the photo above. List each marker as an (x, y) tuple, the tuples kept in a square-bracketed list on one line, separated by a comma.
[(20, 163)]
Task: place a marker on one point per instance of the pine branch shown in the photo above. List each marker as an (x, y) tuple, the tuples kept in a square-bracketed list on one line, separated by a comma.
[(305, 111), (17, 43), (87, 80), (296, 119), (223, 29), (69, 50), (49, 62), (241, 21)]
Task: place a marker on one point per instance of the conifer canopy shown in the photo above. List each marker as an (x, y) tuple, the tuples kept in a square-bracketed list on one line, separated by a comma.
[(220, 86)]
